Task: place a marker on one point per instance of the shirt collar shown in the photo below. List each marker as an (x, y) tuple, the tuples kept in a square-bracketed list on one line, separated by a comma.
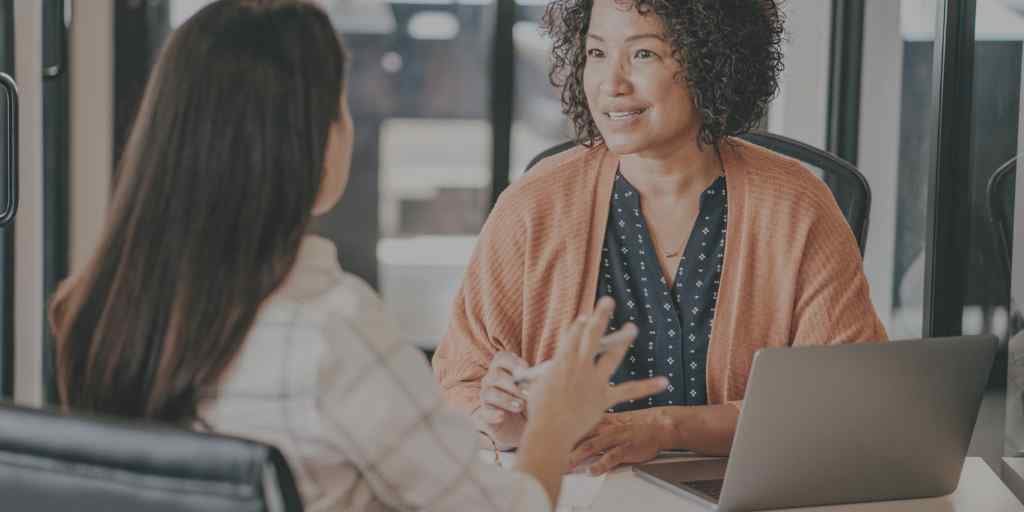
[(625, 194)]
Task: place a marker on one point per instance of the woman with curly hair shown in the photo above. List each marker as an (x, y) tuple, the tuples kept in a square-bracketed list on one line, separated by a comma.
[(712, 247)]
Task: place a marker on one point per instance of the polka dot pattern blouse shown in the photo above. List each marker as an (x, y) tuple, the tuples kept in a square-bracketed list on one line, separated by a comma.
[(673, 319)]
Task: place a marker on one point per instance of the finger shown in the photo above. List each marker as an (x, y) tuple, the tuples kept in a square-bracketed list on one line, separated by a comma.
[(609, 461), (594, 446), (569, 343), (596, 325), (490, 415), (505, 382), (499, 399), (616, 344), (635, 390), (601, 429), (508, 361)]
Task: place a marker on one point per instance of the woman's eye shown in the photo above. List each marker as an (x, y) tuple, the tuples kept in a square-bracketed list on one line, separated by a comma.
[(595, 53), (643, 54)]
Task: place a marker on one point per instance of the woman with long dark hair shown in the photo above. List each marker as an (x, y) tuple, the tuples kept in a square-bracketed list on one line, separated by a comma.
[(207, 306)]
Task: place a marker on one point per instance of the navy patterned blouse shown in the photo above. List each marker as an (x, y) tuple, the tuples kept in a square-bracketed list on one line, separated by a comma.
[(673, 320)]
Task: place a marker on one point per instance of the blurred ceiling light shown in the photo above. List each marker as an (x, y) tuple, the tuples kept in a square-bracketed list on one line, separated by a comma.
[(360, 16), (996, 20), (434, 25), (347, 16), (391, 62)]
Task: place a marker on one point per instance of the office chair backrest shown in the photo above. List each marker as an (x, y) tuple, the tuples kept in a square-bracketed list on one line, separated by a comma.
[(848, 186), (1000, 209), (55, 463)]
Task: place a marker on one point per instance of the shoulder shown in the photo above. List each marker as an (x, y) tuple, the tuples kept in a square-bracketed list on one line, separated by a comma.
[(365, 363), (344, 318), (355, 319), (779, 183)]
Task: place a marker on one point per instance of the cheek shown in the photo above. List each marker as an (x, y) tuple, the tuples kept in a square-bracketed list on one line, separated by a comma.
[(590, 85), (677, 102)]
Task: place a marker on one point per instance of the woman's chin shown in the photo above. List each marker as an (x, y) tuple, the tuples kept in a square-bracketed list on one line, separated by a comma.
[(622, 146)]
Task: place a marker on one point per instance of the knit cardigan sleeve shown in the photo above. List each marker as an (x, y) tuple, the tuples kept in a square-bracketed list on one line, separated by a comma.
[(488, 308), (833, 301)]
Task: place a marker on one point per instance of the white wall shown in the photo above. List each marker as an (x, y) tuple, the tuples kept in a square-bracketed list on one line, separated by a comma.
[(878, 151), (801, 109), (28, 228), (91, 52)]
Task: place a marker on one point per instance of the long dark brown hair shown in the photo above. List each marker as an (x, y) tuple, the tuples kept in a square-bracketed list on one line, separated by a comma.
[(217, 182)]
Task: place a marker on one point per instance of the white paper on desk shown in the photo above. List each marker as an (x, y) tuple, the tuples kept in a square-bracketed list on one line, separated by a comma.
[(579, 489)]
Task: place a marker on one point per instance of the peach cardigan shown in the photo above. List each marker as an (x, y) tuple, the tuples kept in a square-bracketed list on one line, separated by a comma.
[(792, 274)]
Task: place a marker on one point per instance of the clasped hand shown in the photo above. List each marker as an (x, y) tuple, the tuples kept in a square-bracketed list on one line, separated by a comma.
[(621, 438)]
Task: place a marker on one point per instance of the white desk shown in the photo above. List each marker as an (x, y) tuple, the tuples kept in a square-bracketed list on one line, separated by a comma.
[(980, 490)]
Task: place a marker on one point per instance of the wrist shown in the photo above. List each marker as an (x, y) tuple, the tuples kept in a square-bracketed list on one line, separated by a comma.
[(547, 436), (544, 454), (503, 446), (666, 426)]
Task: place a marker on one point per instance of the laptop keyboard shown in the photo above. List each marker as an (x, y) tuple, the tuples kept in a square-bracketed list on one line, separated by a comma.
[(712, 488)]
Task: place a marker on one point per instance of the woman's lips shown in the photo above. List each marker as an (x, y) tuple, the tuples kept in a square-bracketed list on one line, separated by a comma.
[(624, 115)]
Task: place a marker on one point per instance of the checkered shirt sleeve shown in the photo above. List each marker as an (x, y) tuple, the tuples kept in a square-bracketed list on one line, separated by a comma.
[(381, 406)]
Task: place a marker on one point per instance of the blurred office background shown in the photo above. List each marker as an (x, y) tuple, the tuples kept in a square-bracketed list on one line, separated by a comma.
[(451, 100)]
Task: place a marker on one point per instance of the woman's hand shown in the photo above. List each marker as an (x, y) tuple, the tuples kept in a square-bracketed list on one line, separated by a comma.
[(623, 438), (570, 400), (575, 393), (501, 415)]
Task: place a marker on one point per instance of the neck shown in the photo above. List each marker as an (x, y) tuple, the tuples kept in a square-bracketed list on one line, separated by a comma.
[(673, 174)]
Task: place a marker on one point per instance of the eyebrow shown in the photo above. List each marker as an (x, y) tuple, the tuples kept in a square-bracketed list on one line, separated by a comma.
[(632, 38)]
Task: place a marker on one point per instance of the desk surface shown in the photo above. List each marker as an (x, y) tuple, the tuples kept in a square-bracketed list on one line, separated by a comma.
[(980, 490)]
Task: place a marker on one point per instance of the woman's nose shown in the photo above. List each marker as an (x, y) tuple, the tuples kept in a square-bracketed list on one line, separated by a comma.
[(616, 81)]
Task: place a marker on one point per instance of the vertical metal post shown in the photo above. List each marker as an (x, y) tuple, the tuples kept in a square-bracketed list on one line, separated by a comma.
[(948, 232), (844, 78), (55, 171), (7, 231), (503, 91)]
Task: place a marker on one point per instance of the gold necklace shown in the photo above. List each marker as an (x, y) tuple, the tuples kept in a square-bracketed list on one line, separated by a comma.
[(672, 253), (678, 250)]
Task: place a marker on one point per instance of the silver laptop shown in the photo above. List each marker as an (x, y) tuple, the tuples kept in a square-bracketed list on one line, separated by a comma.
[(845, 424)]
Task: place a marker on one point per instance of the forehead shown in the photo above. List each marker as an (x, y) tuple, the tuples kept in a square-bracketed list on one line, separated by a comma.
[(619, 19)]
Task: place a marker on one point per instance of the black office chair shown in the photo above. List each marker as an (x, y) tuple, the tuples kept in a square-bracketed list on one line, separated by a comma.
[(1000, 209), (55, 463), (848, 186)]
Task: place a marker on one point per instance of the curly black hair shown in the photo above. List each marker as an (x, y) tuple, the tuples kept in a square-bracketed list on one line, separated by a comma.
[(729, 51)]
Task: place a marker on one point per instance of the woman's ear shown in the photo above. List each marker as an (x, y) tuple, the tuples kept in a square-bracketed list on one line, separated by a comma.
[(337, 161)]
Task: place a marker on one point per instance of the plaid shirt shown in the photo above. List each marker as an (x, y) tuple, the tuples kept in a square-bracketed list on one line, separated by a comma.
[(323, 376)]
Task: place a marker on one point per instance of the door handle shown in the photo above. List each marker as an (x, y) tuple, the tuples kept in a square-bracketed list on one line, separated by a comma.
[(9, 163)]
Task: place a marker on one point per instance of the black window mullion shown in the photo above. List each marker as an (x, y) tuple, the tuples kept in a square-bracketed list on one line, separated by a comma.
[(7, 232), (503, 76), (139, 30), (55, 172), (844, 78), (7, 312), (947, 237)]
